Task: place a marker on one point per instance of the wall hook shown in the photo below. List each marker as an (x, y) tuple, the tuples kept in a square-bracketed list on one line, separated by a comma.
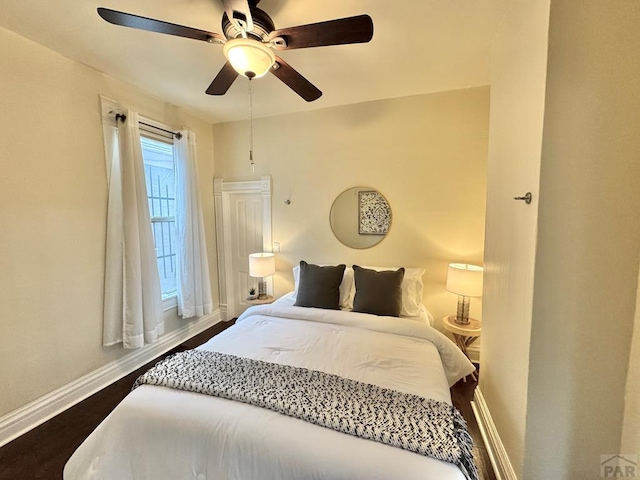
[(287, 202), (527, 198)]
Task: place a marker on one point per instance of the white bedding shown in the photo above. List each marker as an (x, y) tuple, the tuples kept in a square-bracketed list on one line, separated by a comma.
[(161, 433)]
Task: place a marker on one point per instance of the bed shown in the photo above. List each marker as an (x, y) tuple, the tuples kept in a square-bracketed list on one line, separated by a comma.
[(165, 433)]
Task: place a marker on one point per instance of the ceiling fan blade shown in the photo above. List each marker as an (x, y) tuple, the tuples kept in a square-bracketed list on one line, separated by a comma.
[(158, 26), (223, 80), (357, 29), (239, 9), (295, 81)]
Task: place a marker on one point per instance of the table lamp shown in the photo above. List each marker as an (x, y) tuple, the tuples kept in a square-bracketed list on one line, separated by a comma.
[(465, 281), (262, 265)]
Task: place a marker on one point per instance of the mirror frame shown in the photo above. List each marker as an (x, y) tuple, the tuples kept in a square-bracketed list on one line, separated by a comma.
[(345, 235)]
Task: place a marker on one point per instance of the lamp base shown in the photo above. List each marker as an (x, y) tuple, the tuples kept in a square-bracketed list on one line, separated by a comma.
[(262, 289), (462, 314), (462, 321)]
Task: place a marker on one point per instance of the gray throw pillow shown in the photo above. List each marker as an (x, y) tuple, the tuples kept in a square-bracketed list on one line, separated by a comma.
[(379, 293), (319, 286)]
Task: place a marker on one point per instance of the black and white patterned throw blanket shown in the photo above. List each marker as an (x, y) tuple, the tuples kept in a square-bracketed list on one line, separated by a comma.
[(414, 423)]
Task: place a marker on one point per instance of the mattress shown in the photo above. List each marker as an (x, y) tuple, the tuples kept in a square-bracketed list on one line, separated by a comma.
[(161, 433)]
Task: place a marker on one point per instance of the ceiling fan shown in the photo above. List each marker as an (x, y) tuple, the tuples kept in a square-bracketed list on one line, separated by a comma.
[(249, 39)]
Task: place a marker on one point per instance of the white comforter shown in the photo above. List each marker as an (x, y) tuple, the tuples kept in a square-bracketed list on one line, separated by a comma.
[(160, 433)]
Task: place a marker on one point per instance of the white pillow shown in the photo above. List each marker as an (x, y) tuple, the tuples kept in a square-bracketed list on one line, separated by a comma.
[(346, 298), (411, 289)]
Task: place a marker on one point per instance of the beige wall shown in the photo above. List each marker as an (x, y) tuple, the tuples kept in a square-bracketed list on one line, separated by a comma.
[(426, 154), (519, 58), (53, 197), (589, 232)]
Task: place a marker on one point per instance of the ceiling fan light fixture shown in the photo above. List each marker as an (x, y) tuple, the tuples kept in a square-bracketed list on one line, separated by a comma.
[(248, 57)]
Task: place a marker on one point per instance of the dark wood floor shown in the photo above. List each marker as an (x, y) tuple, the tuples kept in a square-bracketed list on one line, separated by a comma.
[(43, 452), (462, 394)]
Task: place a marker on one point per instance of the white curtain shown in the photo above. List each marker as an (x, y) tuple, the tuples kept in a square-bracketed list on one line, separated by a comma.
[(132, 299), (194, 285)]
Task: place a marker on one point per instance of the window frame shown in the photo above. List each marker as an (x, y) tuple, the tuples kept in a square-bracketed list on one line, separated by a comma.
[(170, 300)]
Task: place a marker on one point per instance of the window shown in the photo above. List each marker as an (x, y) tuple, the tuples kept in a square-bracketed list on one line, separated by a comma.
[(160, 173)]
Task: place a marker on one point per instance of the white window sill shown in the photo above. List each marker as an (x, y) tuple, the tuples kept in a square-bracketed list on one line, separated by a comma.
[(169, 302)]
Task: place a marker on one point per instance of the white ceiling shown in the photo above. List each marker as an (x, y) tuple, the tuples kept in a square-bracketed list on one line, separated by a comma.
[(418, 46)]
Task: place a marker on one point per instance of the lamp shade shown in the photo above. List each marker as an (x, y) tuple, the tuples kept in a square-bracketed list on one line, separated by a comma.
[(262, 264), (464, 279), (248, 57)]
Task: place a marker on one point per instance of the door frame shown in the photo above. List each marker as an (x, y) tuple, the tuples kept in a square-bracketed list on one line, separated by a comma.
[(221, 193)]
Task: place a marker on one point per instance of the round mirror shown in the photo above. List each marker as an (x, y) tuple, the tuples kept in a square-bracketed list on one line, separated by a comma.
[(360, 217)]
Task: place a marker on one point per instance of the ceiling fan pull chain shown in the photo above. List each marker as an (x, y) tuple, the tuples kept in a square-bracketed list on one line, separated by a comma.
[(253, 167)]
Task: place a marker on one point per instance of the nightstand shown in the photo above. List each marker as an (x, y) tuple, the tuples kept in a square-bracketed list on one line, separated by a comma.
[(261, 301), (464, 335)]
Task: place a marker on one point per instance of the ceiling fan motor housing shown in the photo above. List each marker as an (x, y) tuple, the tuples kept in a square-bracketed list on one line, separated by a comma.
[(262, 26)]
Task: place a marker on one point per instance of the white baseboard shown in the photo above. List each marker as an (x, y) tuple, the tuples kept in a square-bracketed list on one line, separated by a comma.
[(39, 411), (495, 448)]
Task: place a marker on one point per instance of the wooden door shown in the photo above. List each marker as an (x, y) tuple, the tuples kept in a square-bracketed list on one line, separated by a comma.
[(245, 222)]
